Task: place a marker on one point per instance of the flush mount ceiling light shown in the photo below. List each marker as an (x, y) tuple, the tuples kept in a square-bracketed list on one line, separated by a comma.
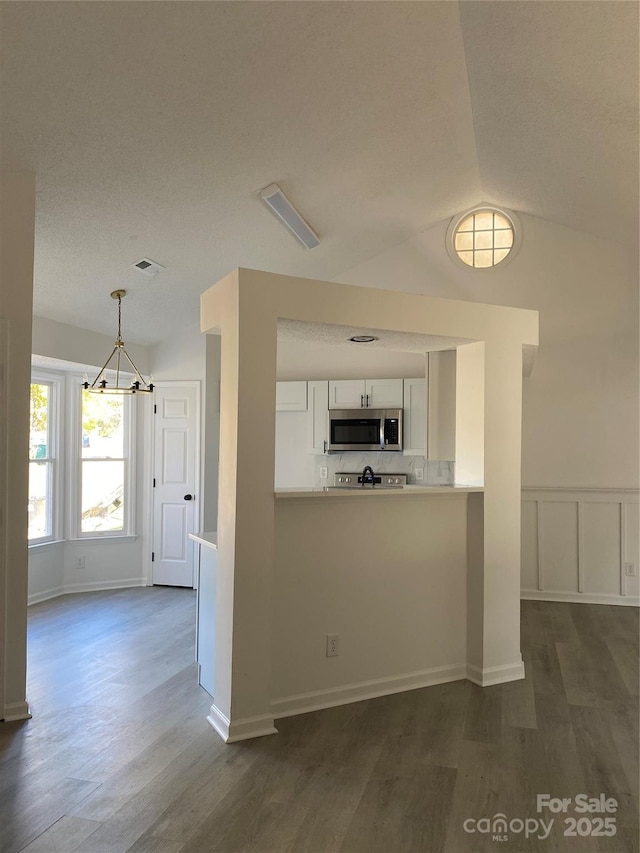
[(274, 198), (100, 384), (363, 339)]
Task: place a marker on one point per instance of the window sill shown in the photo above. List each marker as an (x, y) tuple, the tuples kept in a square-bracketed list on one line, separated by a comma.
[(101, 540), (35, 546)]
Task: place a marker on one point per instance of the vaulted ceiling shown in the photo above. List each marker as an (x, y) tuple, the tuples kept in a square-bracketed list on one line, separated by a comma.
[(151, 126)]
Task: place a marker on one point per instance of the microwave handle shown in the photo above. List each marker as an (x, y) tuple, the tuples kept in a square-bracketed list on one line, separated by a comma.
[(382, 433)]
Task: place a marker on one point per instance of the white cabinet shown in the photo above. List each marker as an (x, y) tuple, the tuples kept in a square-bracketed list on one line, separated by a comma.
[(415, 417), (318, 417), (383, 393), (346, 394), (291, 396), (365, 393)]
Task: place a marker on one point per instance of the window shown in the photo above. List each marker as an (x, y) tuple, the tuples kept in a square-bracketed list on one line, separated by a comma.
[(104, 465), (483, 237), (82, 486), (43, 473)]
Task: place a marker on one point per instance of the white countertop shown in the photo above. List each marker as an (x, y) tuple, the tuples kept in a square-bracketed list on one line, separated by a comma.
[(406, 491), (210, 539)]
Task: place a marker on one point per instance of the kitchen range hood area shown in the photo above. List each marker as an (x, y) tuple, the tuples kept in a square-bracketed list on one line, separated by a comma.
[(418, 580)]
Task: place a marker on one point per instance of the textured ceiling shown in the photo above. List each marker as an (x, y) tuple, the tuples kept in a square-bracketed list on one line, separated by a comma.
[(151, 126)]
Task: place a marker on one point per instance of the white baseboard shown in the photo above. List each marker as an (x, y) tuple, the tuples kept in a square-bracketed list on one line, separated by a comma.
[(16, 711), (486, 677), (97, 586), (45, 595), (580, 597), (316, 701), (243, 729)]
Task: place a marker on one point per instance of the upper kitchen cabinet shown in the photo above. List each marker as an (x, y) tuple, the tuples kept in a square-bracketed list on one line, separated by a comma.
[(317, 418), (415, 417), (365, 393), (291, 396)]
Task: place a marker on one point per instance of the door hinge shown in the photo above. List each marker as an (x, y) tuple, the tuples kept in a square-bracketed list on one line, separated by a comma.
[(153, 556), (155, 409)]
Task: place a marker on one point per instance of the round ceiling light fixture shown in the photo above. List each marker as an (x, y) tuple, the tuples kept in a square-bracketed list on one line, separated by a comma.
[(483, 237), (363, 339)]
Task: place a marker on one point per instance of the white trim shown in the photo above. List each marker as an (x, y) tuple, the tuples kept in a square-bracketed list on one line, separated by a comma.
[(101, 540), (302, 703), (97, 586), (579, 598), (16, 711), (540, 544), (495, 674), (242, 729), (580, 551), (45, 595), (49, 543), (575, 493)]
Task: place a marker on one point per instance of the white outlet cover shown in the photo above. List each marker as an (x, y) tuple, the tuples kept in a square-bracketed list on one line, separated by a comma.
[(324, 473), (419, 473)]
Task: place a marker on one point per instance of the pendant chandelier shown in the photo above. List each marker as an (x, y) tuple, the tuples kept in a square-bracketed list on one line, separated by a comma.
[(115, 363)]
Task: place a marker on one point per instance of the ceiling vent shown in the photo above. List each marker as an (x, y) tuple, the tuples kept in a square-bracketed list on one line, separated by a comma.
[(148, 267)]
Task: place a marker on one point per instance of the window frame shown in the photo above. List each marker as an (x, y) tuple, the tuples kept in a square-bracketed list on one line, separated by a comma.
[(484, 208), (75, 531), (55, 455)]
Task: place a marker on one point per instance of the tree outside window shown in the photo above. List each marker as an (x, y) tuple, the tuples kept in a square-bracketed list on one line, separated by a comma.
[(41, 462), (103, 461)]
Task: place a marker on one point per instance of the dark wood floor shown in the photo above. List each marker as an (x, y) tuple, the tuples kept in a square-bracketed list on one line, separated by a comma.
[(119, 757)]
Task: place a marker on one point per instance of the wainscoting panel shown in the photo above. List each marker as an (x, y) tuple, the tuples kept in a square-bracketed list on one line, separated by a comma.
[(577, 544), (558, 545), (530, 551)]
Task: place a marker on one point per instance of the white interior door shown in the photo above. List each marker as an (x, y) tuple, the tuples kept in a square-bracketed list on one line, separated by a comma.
[(174, 493)]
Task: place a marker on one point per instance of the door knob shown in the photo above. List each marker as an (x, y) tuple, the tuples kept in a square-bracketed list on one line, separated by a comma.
[(188, 497)]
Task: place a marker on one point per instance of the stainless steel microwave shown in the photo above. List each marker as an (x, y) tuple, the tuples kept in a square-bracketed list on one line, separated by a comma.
[(365, 429)]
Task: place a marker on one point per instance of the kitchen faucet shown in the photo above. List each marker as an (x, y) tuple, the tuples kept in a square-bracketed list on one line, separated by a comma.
[(368, 475)]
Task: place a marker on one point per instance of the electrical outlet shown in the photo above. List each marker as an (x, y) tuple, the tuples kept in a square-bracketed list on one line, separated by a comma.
[(630, 570), (333, 645), (324, 472), (80, 561), (419, 474)]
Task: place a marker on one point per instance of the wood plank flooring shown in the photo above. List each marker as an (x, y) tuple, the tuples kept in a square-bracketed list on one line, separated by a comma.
[(119, 756)]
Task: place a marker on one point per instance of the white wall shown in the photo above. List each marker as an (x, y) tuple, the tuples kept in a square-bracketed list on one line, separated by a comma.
[(80, 346), (581, 403), (388, 576)]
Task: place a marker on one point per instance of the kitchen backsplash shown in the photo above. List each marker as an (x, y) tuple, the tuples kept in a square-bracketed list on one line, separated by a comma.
[(435, 473)]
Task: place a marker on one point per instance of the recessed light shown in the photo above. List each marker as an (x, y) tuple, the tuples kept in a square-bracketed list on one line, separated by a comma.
[(363, 339)]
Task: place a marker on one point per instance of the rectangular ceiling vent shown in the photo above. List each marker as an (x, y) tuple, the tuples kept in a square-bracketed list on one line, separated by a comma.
[(148, 267), (286, 212)]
